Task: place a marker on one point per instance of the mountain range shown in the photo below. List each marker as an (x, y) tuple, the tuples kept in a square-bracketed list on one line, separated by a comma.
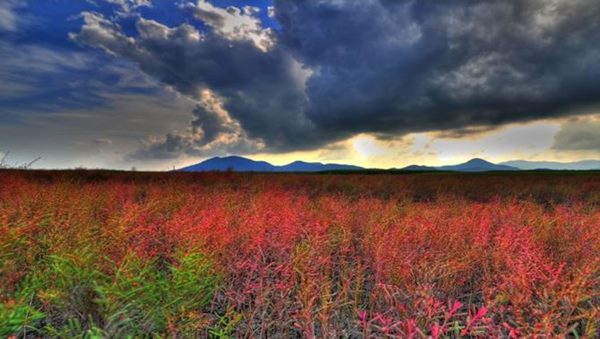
[(553, 165), (241, 164)]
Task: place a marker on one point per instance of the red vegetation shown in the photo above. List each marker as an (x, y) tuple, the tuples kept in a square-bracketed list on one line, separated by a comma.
[(410, 256)]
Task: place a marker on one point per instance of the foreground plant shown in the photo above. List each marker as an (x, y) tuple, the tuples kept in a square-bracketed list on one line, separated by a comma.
[(135, 297)]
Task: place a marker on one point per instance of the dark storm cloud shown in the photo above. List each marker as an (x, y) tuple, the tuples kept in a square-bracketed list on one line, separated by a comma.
[(405, 66), (578, 135), (460, 133), (377, 66)]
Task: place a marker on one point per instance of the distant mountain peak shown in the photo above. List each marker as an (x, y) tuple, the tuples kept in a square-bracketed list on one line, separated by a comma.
[(300, 162), (478, 161), (233, 162), (477, 165)]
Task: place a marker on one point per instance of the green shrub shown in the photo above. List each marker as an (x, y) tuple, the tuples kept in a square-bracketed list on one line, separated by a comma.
[(66, 289), (142, 299), (18, 317), (133, 299)]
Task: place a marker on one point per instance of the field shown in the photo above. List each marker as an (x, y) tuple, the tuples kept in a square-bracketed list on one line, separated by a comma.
[(109, 254)]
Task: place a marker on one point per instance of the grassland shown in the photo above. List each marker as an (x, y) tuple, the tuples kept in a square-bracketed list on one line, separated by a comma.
[(94, 254)]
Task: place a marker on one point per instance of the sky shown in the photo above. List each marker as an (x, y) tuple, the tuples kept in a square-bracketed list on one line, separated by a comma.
[(157, 84)]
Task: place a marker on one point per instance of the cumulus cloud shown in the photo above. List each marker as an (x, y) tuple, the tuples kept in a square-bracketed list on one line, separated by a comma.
[(335, 69), (262, 90), (211, 118), (234, 23), (579, 135), (101, 32)]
